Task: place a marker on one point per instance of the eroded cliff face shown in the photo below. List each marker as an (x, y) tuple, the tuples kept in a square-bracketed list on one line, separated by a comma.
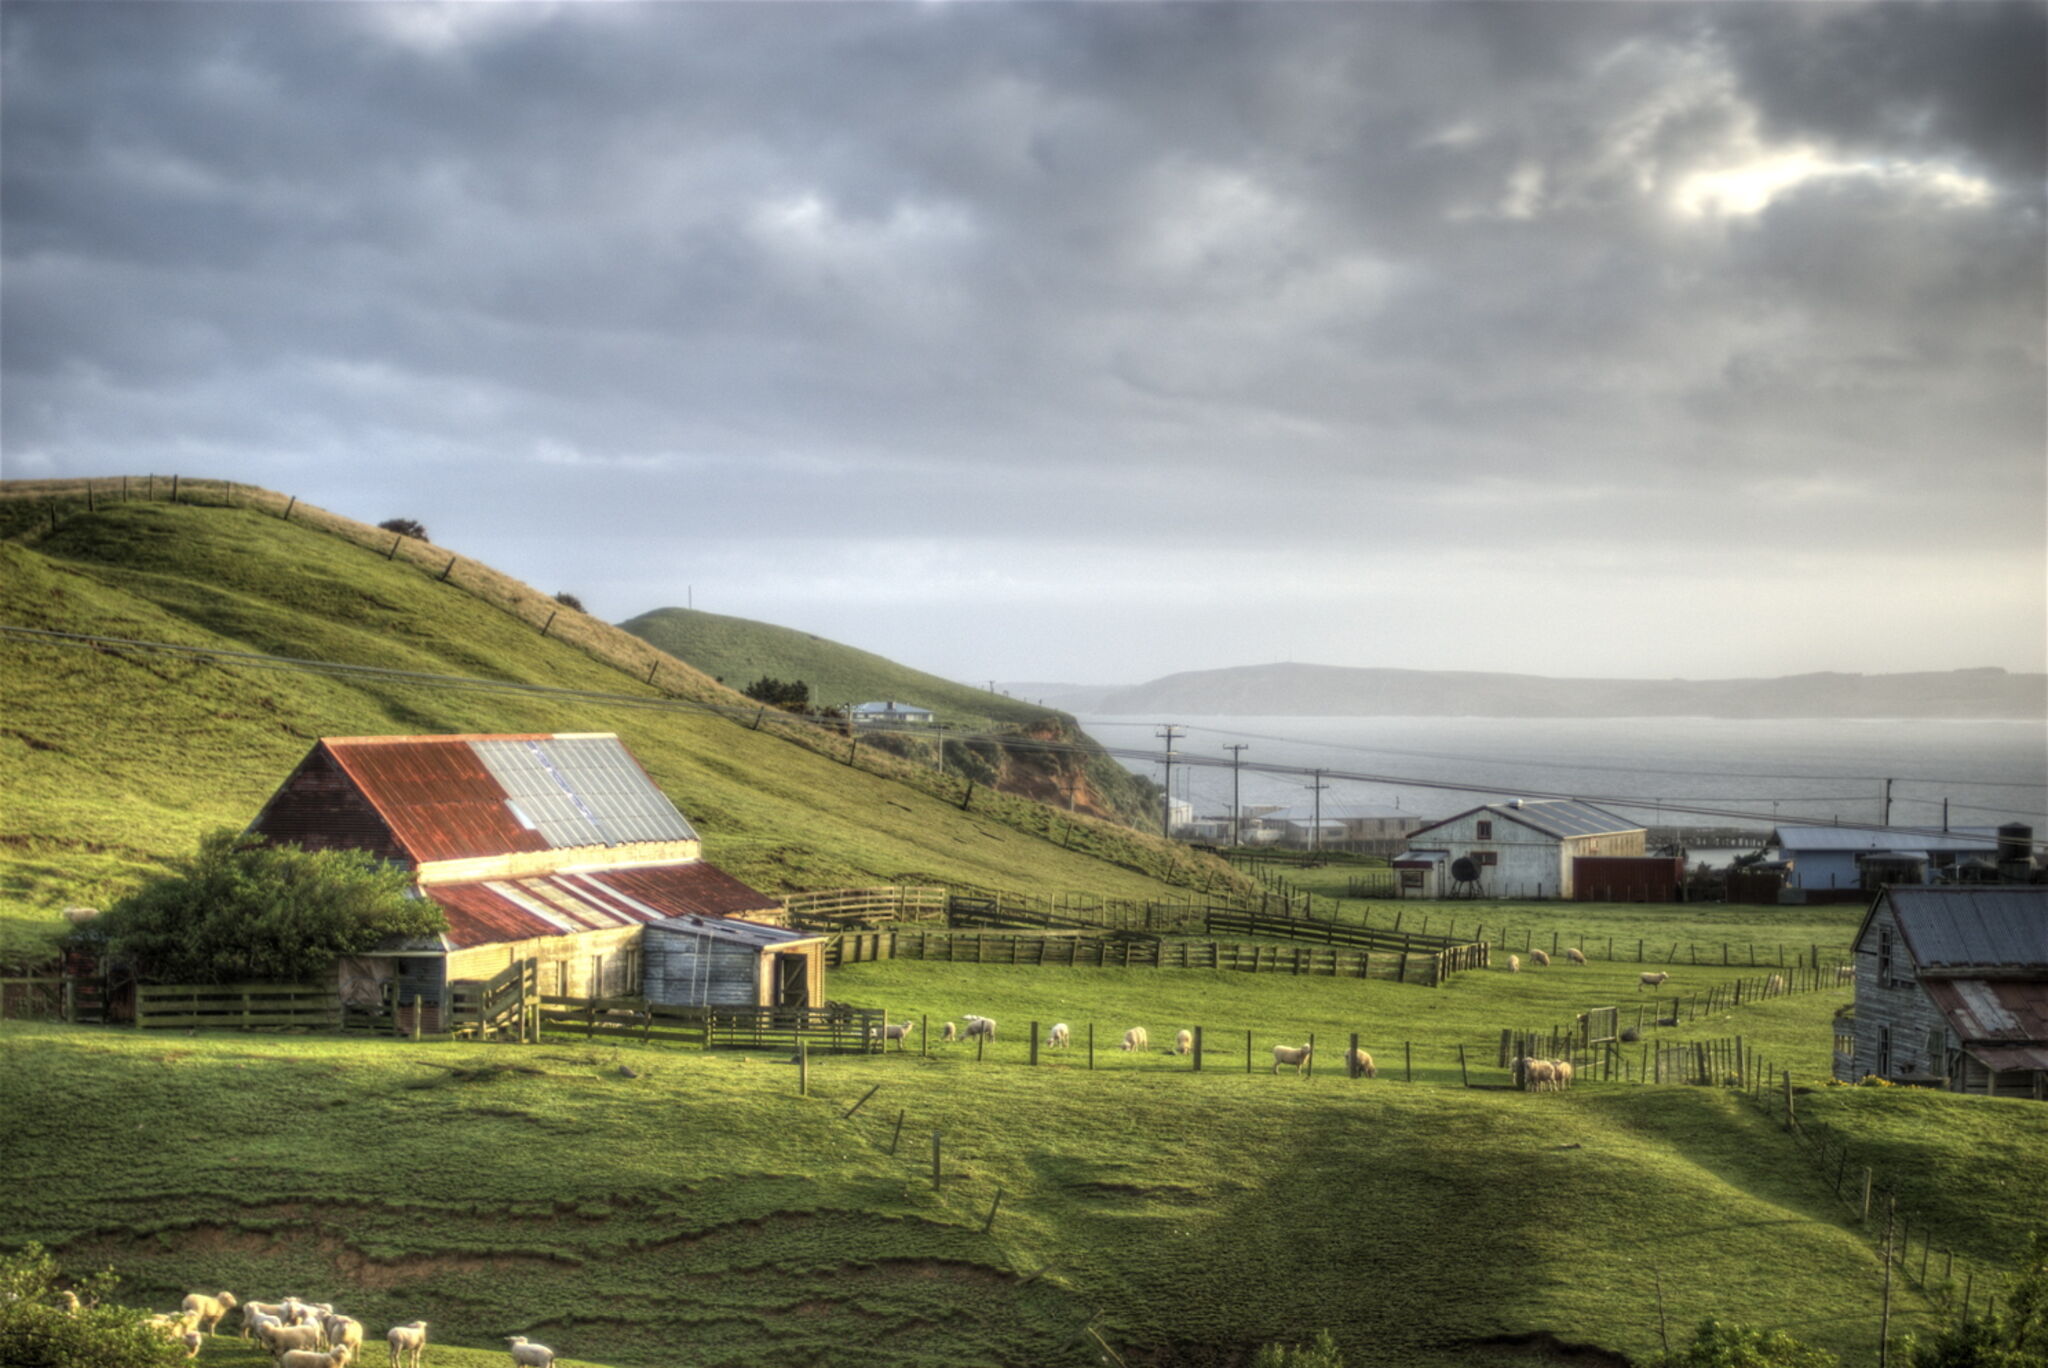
[(1049, 761)]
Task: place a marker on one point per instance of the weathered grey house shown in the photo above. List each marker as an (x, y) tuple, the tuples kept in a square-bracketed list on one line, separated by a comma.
[(1951, 991), (555, 849)]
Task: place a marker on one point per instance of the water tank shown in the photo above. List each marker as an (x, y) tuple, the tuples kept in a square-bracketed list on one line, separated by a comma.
[(2015, 852)]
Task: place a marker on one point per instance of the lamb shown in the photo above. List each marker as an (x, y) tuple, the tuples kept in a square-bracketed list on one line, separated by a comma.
[(950, 1034), (1059, 1036), (1136, 1039), (1184, 1042), (1297, 1055), (280, 1338), (527, 1355), (1362, 1065), (1514, 964), (1561, 1073), (210, 1309), (897, 1033), (407, 1343), (1651, 980), (192, 1341), (1575, 955), (1539, 958), (307, 1358), (980, 1026)]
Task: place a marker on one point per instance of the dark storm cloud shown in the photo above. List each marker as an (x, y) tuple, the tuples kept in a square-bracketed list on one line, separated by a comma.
[(1053, 281)]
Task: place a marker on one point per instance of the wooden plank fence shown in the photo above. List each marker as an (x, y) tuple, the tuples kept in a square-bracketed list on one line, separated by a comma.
[(1028, 950), (237, 1006), (834, 1030), (866, 906)]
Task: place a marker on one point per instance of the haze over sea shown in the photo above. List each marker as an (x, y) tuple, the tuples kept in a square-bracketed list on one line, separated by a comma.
[(1792, 770)]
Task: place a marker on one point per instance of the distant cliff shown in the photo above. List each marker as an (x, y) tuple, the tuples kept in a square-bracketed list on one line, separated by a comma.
[(1339, 691)]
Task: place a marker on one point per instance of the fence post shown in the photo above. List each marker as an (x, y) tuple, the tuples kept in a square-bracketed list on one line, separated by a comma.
[(803, 1067), (1864, 1216), (1034, 1042), (1408, 1059), (1198, 1049), (1091, 1046), (935, 1161), (924, 1034), (1351, 1059), (896, 1134), (1461, 1066), (990, 1223), (1309, 1063)]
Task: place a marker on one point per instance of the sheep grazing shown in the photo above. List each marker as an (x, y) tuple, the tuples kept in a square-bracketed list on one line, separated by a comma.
[(1184, 1042), (1775, 985), (1362, 1065), (307, 1358), (1297, 1055), (1560, 1073), (1539, 958), (210, 1309), (1514, 964), (280, 1339), (1575, 955), (527, 1355), (1651, 980), (1059, 1036), (950, 1034), (984, 1027), (407, 1343), (192, 1341), (1136, 1039)]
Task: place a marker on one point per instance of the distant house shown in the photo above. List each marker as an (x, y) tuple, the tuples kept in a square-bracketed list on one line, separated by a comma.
[(889, 710), (1342, 824), (1951, 991), (1820, 859), (1519, 849), (556, 849)]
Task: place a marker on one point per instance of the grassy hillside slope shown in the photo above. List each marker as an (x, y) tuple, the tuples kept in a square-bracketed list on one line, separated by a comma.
[(118, 759), (700, 1212), (740, 651)]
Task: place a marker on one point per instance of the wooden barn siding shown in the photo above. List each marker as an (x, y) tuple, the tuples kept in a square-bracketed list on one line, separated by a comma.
[(568, 964), (1906, 1009), (723, 974), (319, 808)]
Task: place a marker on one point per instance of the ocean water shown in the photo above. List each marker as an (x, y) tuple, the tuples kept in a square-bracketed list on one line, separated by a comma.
[(1750, 772)]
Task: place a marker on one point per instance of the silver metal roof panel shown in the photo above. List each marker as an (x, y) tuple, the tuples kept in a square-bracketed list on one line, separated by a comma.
[(582, 791), (1977, 927)]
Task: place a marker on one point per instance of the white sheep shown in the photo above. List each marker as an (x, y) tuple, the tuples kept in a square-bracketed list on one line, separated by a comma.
[(256, 1320), (1845, 973), (528, 1355), (210, 1309), (280, 1338), (250, 1310), (1539, 958), (1538, 1074), (1297, 1055), (1184, 1042), (1775, 986), (1136, 1039), (1651, 980), (980, 1026), (950, 1034), (895, 1033), (1560, 1073), (193, 1341), (344, 1332), (173, 1328), (68, 1302), (1575, 955), (307, 1358), (1362, 1065), (407, 1342), (1514, 964), (1060, 1034)]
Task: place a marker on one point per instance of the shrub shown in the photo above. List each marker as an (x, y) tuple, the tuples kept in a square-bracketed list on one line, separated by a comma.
[(241, 910), (569, 600), (1715, 1345), (35, 1332), (2015, 1336), (794, 696), (405, 527), (1322, 1354)]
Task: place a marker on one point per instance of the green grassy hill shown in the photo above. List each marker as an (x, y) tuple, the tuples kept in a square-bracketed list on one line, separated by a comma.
[(740, 651), (117, 759)]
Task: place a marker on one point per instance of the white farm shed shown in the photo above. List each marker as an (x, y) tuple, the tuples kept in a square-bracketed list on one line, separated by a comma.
[(1518, 849)]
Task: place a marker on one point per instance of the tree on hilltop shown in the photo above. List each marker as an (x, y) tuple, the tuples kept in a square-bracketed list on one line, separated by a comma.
[(405, 527)]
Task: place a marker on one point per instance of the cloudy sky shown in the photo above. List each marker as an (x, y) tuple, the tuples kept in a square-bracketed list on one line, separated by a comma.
[(1084, 342)]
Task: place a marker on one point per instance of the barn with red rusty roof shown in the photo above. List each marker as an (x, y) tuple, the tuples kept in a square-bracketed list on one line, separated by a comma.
[(558, 849)]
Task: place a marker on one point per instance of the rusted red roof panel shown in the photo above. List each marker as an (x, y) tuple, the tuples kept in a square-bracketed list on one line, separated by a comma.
[(1982, 1010), (490, 911), (435, 794)]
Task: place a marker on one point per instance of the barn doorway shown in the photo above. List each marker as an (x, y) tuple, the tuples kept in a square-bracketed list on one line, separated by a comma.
[(792, 981)]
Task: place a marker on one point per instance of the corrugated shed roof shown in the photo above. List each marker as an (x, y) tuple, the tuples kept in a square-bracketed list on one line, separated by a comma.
[(888, 708), (488, 911), (2006, 1011), (1560, 817), (466, 797), (733, 932), (2025, 1058), (1966, 927), (1796, 838)]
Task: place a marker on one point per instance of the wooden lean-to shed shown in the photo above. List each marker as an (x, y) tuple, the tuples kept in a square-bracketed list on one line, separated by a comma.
[(553, 848)]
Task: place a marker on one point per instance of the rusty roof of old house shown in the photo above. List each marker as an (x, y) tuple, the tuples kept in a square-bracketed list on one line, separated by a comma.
[(466, 797), (490, 911), (1993, 1011)]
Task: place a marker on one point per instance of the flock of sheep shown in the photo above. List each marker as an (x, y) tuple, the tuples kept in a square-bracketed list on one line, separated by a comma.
[(303, 1334), (1542, 1075), (1136, 1040)]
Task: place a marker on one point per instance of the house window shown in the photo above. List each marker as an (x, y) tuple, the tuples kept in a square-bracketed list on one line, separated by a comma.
[(1411, 878), (1884, 1052), (1884, 958), (1485, 857), (1486, 831)]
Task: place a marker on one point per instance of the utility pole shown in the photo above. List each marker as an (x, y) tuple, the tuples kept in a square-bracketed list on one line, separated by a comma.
[(1315, 840), (1236, 832), (1887, 804), (1169, 733)]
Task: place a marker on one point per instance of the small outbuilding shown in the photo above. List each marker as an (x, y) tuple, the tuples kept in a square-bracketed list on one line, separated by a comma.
[(555, 849), (1524, 848), (1819, 860), (1951, 991), (889, 710)]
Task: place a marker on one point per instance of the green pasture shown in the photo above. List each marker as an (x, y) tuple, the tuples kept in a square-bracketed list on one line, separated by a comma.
[(699, 1211), (117, 760)]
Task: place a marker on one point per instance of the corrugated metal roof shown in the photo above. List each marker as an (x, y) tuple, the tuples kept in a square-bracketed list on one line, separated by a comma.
[(1796, 838), (1560, 817), (888, 708), (466, 797), (2009, 1011), (489, 911), (1973, 927), (2003, 1057), (734, 932)]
